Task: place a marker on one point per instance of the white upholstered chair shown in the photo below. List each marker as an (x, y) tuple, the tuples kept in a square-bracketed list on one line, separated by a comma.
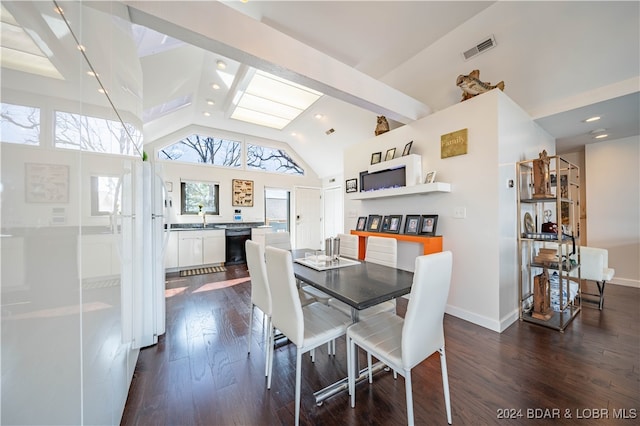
[(404, 343), (308, 327), (594, 266), (278, 239), (260, 293), (348, 245)]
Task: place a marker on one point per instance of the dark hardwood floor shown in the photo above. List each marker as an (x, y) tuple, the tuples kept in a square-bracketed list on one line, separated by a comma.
[(200, 374)]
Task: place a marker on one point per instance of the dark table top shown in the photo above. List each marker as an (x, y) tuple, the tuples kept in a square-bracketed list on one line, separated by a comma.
[(360, 286)]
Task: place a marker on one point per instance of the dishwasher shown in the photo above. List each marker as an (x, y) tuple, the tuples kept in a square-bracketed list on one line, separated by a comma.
[(234, 240)]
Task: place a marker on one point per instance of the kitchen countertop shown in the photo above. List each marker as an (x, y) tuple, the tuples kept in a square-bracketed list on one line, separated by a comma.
[(213, 226)]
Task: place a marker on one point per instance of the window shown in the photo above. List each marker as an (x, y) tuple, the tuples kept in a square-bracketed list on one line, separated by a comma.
[(75, 131), (271, 160), (204, 149), (196, 194), (105, 195), (20, 124)]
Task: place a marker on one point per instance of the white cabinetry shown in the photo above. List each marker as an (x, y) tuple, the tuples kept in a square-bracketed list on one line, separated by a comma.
[(213, 247), (13, 262), (171, 251), (196, 248)]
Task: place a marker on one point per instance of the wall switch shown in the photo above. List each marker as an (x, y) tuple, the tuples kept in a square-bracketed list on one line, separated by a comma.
[(460, 212)]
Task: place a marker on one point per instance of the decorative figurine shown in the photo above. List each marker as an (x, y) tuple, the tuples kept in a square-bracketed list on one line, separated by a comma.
[(472, 86), (541, 299), (382, 126), (541, 178)]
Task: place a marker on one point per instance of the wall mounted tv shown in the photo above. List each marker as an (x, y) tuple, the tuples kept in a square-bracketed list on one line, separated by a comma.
[(391, 178)]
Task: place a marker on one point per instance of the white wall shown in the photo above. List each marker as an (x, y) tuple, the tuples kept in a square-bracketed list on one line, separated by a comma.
[(613, 210), (175, 171), (484, 283)]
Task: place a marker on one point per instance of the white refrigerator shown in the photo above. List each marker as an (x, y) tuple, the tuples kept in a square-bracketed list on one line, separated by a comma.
[(152, 230)]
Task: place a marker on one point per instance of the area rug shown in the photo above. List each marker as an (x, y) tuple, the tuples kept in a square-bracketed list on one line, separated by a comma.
[(200, 271)]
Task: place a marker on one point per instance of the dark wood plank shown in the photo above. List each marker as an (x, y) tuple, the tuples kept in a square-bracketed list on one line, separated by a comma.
[(200, 372)]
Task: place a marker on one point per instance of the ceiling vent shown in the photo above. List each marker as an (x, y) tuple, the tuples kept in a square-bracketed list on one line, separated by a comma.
[(483, 46)]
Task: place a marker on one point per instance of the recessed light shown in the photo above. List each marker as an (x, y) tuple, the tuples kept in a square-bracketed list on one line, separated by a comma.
[(319, 116), (604, 135), (294, 134), (216, 86), (206, 114), (92, 74), (210, 102), (58, 10), (596, 131), (590, 119), (101, 90), (221, 65), (81, 48)]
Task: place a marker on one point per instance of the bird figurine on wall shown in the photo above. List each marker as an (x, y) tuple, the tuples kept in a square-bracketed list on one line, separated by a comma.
[(382, 126), (472, 86)]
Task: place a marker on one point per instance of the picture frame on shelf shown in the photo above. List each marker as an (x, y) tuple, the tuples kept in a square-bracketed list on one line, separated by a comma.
[(351, 185), (431, 177), (385, 224), (395, 222), (428, 224), (412, 224), (407, 149), (390, 154), (376, 157), (361, 224), (374, 223)]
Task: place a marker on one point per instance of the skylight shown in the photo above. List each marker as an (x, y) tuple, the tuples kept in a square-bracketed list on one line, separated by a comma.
[(19, 52), (273, 101)]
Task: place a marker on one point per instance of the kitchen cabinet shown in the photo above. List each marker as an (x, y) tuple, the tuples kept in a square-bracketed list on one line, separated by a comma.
[(171, 251), (197, 247)]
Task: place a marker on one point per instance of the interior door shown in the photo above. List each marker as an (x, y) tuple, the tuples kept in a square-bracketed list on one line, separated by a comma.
[(308, 214), (333, 212)]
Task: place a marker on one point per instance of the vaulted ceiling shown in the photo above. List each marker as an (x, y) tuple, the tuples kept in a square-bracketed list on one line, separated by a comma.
[(561, 62)]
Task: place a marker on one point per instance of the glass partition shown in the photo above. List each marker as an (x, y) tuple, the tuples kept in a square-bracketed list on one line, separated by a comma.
[(70, 79)]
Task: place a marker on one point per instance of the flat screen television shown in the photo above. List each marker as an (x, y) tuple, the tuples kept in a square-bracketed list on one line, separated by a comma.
[(392, 178)]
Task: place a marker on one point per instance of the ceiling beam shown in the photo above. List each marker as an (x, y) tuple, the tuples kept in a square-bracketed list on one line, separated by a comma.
[(218, 28)]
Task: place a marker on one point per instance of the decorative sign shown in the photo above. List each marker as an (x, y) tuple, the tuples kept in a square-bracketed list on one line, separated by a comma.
[(46, 183), (242, 193), (454, 143)]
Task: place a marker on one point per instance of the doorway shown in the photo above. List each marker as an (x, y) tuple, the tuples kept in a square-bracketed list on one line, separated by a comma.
[(277, 207)]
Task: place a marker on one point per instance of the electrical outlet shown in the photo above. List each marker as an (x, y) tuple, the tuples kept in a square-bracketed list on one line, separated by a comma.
[(460, 212)]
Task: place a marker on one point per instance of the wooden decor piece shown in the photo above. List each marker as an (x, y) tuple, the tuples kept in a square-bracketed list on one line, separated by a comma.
[(541, 178), (242, 193), (454, 143), (541, 297)]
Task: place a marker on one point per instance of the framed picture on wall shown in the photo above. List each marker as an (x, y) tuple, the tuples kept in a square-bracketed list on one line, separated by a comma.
[(390, 154), (407, 149), (242, 193), (361, 224), (46, 183)]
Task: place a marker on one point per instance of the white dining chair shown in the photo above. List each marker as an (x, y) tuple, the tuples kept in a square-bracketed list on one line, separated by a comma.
[(308, 327), (401, 343), (348, 245), (260, 293), (278, 239)]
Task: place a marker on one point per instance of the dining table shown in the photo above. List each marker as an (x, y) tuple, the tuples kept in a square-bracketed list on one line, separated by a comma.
[(357, 283)]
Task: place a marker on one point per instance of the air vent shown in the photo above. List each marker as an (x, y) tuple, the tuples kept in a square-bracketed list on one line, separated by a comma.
[(483, 46), (328, 132)]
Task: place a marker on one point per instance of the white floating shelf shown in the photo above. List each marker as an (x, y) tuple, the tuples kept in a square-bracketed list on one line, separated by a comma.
[(423, 189)]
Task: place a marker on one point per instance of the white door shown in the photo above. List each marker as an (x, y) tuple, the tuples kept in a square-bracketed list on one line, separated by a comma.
[(333, 212), (308, 218)]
